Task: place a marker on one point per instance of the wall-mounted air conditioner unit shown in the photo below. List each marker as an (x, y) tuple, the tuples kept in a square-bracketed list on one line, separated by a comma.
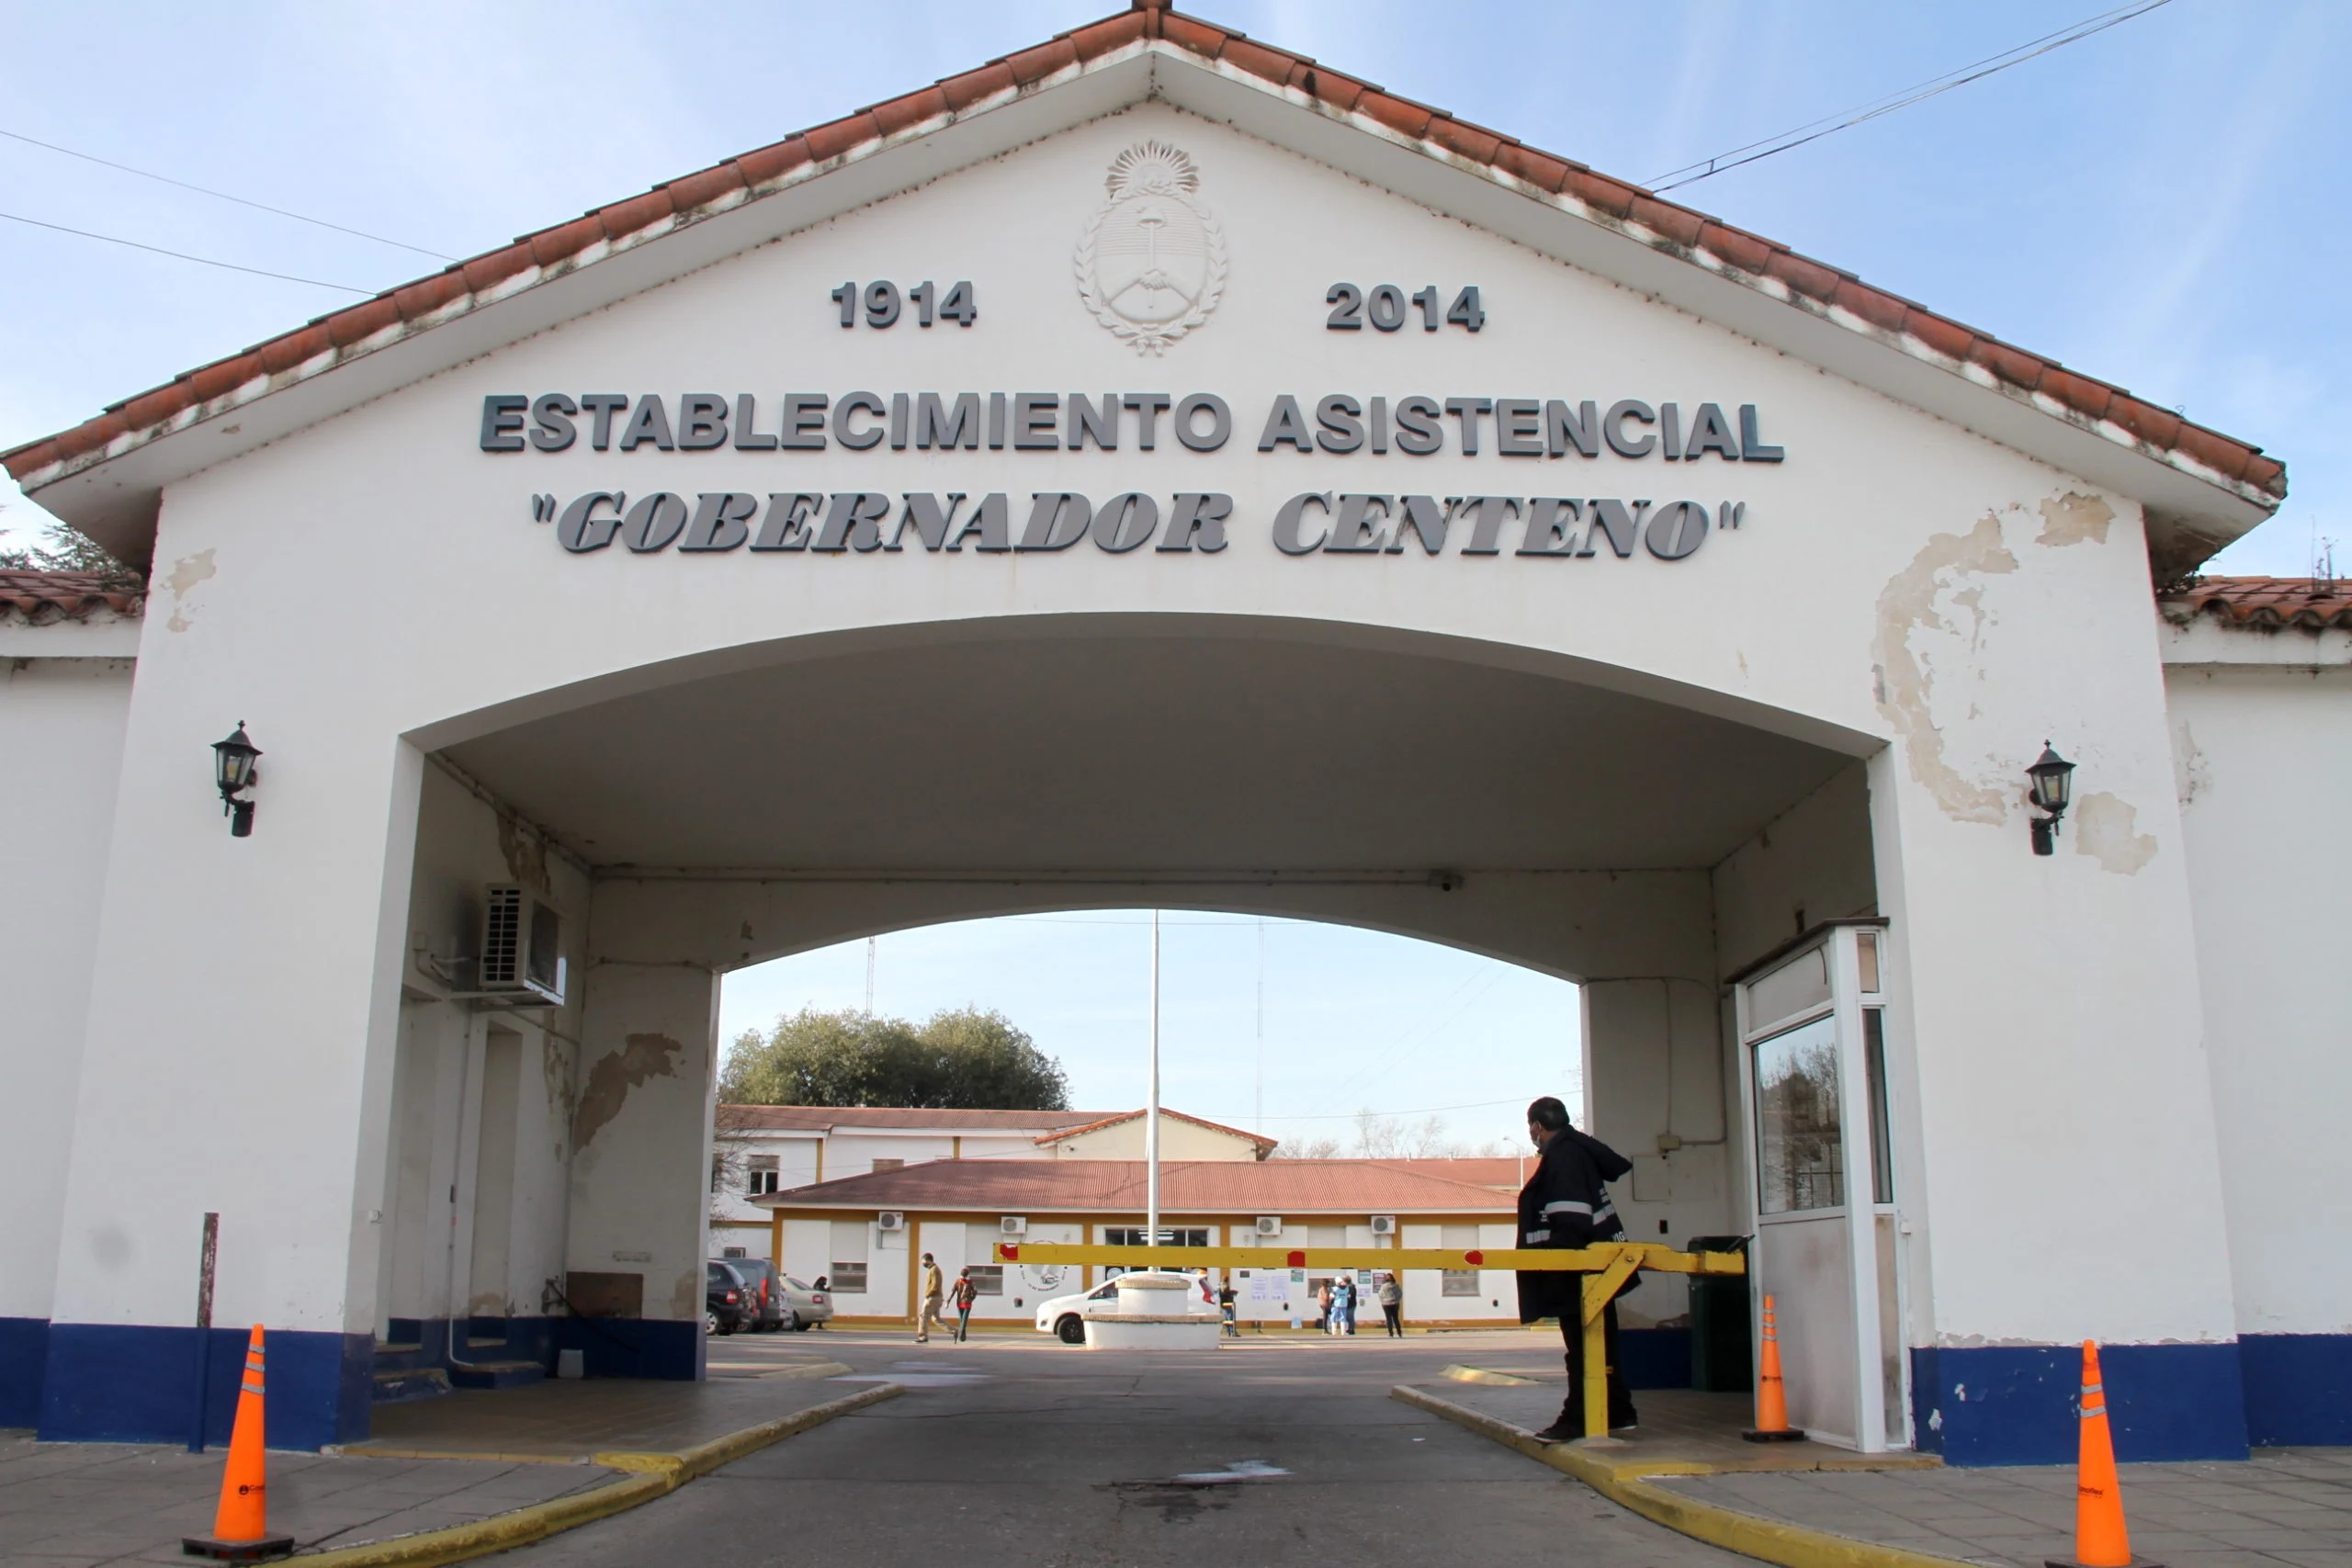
[(1014, 1224), (1384, 1224), (1269, 1225), (889, 1220), (522, 948)]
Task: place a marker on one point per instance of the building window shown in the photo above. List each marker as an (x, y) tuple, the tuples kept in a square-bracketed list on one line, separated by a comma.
[(849, 1278), (1132, 1236), (988, 1279), (736, 1252), (1459, 1282), (718, 1173), (762, 1177), (889, 1165)]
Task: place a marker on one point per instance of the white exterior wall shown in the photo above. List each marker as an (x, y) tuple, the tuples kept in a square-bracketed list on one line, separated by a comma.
[(2264, 749), (61, 721), (1902, 590)]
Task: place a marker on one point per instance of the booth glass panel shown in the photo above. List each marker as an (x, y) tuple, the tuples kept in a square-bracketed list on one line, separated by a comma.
[(1800, 1150), (1881, 1141)]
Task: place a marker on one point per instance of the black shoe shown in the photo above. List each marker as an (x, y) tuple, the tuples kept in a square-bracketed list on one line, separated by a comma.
[(1559, 1432)]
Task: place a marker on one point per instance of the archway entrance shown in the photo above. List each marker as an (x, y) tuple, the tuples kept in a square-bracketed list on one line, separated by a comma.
[(1640, 841)]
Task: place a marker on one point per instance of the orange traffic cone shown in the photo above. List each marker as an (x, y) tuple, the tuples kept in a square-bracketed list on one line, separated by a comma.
[(2100, 1538), (1771, 1399), (240, 1528)]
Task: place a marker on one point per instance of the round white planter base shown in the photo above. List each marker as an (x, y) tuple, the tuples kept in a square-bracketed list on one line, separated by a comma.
[(1121, 1333)]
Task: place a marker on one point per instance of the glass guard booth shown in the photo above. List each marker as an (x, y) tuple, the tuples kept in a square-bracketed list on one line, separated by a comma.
[(1814, 1093)]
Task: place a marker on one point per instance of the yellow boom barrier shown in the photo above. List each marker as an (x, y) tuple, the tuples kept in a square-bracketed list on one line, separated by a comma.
[(1605, 1268)]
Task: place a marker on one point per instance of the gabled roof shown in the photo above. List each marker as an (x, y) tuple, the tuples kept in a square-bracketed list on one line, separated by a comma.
[(2036, 401), (2264, 602), (827, 1118), (43, 597), (1355, 1187), (1263, 1143)]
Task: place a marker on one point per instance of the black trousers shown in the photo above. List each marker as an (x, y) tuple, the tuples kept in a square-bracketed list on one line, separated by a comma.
[(1620, 1398), (1391, 1312)]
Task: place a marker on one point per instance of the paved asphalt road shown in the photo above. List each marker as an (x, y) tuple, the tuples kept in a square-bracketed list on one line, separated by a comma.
[(1021, 1451)]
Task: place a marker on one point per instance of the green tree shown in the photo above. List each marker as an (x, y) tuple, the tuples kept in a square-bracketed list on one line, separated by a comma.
[(963, 1059), (65, 549)]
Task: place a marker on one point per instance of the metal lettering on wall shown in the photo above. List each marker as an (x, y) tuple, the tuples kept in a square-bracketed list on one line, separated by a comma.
[(1313, 521)]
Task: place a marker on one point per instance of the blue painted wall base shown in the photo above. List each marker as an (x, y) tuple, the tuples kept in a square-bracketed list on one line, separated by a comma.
[(1655, 1358), (632, 1347), (134, 1383), (24, 1361), (2298, 1387), (2016, 1403)]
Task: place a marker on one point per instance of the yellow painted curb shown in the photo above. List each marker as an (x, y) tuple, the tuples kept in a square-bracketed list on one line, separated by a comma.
[(1792, 1546), (653, 1475), (1460, 1373)]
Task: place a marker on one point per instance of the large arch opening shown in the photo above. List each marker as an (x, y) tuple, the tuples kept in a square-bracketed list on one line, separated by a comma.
[(698, 819)]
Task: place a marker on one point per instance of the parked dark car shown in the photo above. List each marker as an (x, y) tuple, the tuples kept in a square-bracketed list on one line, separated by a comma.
[(728, 1299), (770, 1310)]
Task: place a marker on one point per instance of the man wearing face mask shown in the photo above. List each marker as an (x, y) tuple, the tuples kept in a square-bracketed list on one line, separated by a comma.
[(1566, 1204)]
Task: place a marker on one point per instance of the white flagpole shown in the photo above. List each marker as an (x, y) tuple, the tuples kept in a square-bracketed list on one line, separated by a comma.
[(1151, 1106)]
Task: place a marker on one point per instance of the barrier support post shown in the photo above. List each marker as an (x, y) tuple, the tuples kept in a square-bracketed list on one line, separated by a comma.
[(1599, 1290)]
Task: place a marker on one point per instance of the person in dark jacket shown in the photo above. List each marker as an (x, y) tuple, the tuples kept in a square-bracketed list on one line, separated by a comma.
[(1566, 1204)]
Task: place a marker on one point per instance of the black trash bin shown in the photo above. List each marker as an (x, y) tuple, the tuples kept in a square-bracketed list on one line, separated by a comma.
[(1721, 1358)]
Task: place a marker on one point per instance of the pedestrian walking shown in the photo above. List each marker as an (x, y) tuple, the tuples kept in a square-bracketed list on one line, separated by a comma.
[(934, 1293), (1225, 1299), (1566, 1204), (821, 1287), (961, 1297), (1392, 1305), (1343, 1303)]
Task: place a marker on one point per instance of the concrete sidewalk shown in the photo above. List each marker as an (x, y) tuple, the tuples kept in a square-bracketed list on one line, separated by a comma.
[(2283, 1508), (79, 1505), (469, 1459), (1810, 1505)]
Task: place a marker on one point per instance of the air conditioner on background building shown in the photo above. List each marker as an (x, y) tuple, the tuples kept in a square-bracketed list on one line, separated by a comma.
[(1384, 1224), (522, 948), (889, 1220), (1014, 1224), (1269, 1225)]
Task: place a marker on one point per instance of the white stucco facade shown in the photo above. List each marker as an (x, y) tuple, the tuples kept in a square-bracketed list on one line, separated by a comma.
[(1643, 772)]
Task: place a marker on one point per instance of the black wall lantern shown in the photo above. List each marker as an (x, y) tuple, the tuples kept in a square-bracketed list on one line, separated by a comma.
[(2052, 784), (233, 765)]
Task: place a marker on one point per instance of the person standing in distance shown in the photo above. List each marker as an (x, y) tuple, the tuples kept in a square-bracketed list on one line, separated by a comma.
[(1392, 1305), (934, 1293), (1566, 1204)]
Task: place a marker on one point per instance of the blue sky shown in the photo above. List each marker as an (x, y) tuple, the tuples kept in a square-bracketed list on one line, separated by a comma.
[(2152, 206)]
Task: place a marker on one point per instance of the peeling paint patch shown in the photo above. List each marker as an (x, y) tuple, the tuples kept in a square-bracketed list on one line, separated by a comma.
[(525, 854), (2073, 518), (686, 1296), (646, 1056), (1932, 595), (186, 572), (2103, 829), (555, 1069)]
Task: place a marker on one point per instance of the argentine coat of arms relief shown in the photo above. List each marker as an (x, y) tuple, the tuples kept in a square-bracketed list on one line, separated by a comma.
[(1151, 264)]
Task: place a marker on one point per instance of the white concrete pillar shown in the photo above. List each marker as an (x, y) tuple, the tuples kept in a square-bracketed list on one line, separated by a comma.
[(1656, 1094), (640, 1166)]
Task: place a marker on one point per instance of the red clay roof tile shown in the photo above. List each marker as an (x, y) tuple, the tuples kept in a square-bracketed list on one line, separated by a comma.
[(42, 597), (2233, 460), (1350, 1187), (2264, 602)]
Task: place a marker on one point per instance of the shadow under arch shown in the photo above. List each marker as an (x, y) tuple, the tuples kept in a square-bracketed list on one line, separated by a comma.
[(749, 802)]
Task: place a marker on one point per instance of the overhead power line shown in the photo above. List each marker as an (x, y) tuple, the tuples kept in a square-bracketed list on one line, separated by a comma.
[(1845, 119), (223, 196), (183, 256)]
